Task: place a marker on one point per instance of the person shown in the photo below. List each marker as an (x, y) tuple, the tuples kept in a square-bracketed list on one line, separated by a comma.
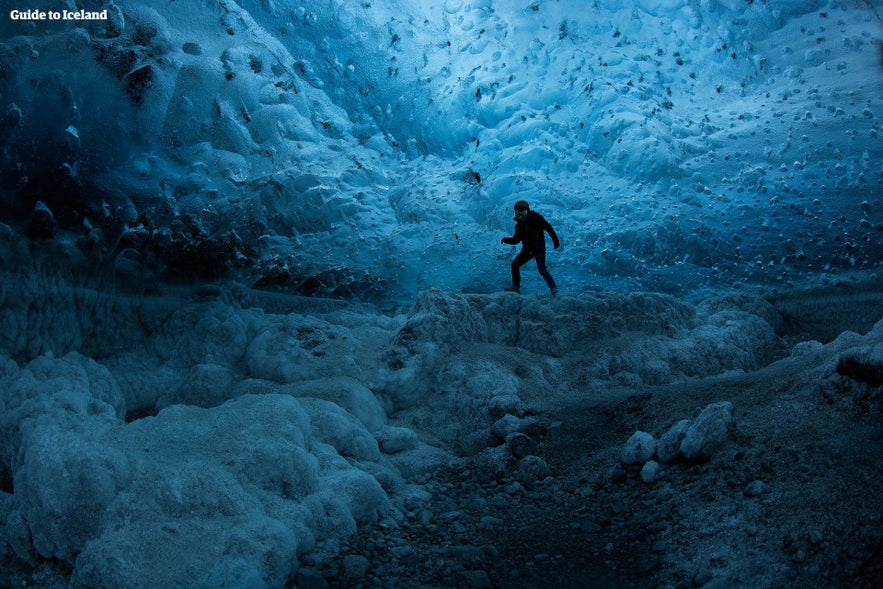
[(530, 232)]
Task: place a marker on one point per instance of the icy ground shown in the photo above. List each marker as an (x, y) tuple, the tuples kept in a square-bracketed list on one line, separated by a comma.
[(241, 439)]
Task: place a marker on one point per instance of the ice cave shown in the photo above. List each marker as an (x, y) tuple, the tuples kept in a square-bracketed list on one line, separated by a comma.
[(257, 317)]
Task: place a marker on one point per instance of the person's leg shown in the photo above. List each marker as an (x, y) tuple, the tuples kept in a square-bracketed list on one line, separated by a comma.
[(544, 272), (520, 260)]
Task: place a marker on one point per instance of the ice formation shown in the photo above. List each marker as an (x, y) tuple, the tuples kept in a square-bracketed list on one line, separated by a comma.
[(250, 266), (369, 150)]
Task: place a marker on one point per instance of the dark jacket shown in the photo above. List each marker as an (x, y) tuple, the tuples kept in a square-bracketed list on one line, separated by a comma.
[(529, 232)]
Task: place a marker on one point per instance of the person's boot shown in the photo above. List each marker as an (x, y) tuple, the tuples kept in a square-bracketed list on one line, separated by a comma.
[(514, 289), (554, 291)]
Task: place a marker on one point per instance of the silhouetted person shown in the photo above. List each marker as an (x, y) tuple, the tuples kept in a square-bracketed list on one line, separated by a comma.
[(530, 232)]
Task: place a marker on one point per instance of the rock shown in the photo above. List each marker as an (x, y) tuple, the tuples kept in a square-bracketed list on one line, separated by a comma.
[(309, 578), (404, 555), (510, 424), (505, 426), (702, 577), (501, 502), (489, 522), (639, 448), (519, 445), (354, 567), (506, 404), (531, 470), (514, 489), (669, 447), (708, 431), (493, 463), (476, 579), (650, 471), (754, 489), (618, 475), (466, 555), (395, 439)]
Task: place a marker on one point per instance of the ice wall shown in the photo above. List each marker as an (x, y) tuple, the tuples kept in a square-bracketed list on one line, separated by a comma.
[(364, 149)]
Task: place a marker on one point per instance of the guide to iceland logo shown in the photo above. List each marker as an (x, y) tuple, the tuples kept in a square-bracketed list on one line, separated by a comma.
[(47, 15)]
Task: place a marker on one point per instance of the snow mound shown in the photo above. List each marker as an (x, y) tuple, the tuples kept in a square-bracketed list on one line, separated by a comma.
[(233, 494), (708, 431)]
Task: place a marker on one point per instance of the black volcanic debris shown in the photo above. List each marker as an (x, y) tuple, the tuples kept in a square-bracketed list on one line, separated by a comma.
[(138, 83), (862, 369), (42, 224), (284, 275)]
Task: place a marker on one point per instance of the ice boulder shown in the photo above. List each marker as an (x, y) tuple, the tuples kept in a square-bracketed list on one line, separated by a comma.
[(650, 471), (228, 496), (708, 431), (350, 394), (298, 348), (204, 333), (531, 470), (393, 440), (54, 395), (47, 375), (639, 448), (205, 385), (248, 550), (64, 483), (669, 447), (445, 318), (334, 425)]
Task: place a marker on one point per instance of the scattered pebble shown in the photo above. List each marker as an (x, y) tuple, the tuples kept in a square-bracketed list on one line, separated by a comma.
[(650, 471), (754, 489), (639, 448), (354, 566)]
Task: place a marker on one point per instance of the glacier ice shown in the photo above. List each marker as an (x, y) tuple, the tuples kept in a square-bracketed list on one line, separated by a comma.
[(368, 150)]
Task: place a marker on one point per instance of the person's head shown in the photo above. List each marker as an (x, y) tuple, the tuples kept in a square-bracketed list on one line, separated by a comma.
[(521, 209)]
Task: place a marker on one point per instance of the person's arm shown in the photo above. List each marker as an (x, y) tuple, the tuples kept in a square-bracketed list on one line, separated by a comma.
[(515, 239), (552, 234)]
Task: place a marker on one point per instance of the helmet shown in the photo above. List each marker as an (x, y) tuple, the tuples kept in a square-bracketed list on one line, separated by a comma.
[(522, 205)]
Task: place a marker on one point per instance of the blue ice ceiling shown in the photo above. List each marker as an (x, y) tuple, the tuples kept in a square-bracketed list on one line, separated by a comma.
[(374, 149)]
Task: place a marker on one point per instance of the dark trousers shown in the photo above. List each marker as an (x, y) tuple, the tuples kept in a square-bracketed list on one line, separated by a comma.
[(523, 258)]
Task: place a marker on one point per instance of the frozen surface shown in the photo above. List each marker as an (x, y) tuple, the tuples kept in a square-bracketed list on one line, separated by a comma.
[(251, 327)]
